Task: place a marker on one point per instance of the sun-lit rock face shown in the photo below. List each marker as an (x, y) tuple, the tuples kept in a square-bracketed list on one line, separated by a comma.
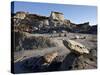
[(76, 47), (21, 15), (56, 19), (57, 16), (46, 22), (67, 22), (49, 57)]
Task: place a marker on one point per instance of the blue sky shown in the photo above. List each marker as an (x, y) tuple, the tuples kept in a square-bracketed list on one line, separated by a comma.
[(76, 13)]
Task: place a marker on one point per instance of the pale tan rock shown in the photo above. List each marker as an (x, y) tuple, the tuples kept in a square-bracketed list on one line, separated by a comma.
[(67, 22), (57, 16), (49, 57), (21, 15), (76, 47), (46, 22)]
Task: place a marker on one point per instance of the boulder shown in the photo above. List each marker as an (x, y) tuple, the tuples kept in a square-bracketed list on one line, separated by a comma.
[(76, 47), (77, 37), (49, 57)]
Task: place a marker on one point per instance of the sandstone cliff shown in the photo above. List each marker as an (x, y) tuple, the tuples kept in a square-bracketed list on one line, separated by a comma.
[(34, 23)]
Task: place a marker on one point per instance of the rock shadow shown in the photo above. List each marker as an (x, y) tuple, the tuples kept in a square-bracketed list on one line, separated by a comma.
[(68, 62), (35, 64)]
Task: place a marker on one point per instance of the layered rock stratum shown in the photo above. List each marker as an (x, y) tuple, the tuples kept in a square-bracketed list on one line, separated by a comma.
[(35, 23)]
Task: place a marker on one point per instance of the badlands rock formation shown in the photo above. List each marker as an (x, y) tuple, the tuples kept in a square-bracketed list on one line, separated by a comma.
[(34, 23), (41, 43), (57, 16)]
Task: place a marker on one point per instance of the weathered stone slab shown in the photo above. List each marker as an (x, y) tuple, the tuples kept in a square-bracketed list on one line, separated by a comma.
[(76, 47)]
